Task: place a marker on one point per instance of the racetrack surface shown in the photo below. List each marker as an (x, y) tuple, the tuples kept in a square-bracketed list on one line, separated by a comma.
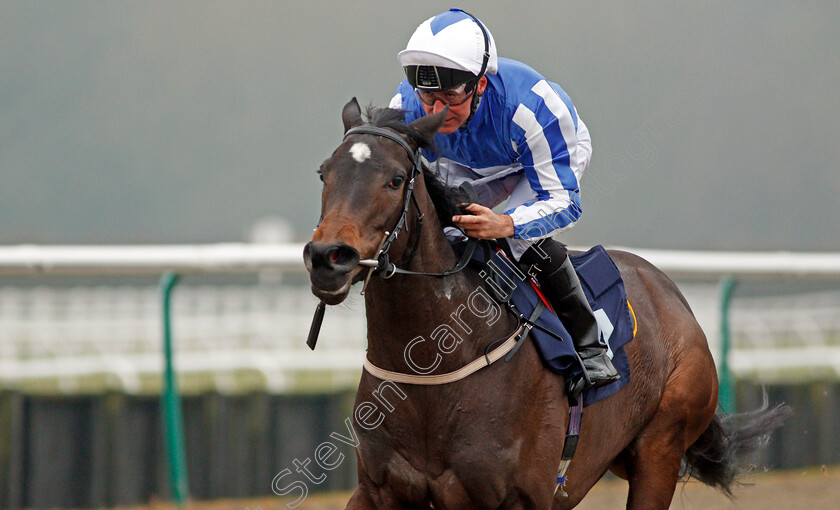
[(812, 489)]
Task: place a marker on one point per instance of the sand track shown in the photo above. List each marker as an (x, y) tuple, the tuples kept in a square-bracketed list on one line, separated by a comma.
[(812, 489)]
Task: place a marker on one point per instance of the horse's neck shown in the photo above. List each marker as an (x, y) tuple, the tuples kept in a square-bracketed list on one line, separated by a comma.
[(438, 311)]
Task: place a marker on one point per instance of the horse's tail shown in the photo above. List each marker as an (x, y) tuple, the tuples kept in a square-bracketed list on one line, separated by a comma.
[(721, 453)]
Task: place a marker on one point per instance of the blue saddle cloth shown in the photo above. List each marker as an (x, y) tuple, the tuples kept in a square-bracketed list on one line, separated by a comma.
[(604, 288)]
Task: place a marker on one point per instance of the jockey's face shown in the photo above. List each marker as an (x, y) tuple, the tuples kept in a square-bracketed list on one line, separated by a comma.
[(458, 113)]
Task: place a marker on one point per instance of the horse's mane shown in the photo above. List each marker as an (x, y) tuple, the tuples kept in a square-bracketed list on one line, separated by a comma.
[(445, 198)]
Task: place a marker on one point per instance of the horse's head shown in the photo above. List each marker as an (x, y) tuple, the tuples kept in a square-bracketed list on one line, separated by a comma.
[(364, 196)]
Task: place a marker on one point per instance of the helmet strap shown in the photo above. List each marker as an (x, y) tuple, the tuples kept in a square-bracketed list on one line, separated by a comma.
[(476, 100)]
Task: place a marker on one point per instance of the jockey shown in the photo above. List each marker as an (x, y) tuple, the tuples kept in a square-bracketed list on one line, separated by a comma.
[(512, 134)]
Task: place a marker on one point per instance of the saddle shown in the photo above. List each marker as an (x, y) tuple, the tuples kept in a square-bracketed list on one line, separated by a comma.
[(604, 288)]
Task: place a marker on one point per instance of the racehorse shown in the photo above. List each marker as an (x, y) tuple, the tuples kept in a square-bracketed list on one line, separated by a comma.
[(493, 440)]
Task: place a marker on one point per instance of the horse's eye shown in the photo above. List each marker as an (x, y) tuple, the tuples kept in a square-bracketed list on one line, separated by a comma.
[(320, 175), (396, 182)]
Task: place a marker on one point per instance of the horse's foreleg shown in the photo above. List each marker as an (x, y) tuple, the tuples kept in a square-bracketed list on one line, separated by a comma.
[(360, 500), (370, 497)]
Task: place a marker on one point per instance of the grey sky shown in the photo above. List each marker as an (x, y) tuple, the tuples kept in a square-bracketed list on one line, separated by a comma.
[(714, 124)]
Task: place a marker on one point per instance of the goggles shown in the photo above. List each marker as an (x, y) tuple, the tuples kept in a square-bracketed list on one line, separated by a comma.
[(451, 97)]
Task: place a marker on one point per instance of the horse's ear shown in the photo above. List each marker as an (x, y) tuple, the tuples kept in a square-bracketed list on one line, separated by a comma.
[(428, 125), (351, 115)]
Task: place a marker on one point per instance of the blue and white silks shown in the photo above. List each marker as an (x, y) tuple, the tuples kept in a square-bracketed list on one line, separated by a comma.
[(525, 142)]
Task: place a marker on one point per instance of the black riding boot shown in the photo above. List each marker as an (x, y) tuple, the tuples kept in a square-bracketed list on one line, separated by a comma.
[(560, 284)]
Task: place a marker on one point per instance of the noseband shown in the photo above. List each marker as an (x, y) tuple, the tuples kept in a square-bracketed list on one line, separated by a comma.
[(380, 263)]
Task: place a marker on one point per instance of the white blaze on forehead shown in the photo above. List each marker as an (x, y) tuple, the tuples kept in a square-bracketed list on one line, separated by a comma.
[(360, 151)]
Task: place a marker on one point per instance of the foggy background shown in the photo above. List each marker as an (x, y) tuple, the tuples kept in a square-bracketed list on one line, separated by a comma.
[(714, 124)]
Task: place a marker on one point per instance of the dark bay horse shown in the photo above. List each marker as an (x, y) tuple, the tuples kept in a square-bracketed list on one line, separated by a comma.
[(493, 440)]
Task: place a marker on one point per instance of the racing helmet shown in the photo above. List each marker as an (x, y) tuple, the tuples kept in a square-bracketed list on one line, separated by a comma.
[(448, 50)]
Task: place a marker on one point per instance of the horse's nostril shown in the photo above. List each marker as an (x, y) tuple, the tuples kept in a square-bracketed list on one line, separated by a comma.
[(339, 257), (342, 257)]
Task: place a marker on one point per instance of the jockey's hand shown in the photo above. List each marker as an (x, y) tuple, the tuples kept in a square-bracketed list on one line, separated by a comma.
[(484, 223)]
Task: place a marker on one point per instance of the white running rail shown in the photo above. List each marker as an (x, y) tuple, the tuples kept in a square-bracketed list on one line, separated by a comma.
[(244, 258), (239, 337)]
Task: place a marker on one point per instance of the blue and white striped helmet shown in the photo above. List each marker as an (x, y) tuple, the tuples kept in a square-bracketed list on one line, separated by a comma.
[(447, 50)]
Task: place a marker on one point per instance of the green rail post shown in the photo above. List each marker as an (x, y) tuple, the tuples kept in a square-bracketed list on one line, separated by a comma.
[(173, 426), (726, 392)]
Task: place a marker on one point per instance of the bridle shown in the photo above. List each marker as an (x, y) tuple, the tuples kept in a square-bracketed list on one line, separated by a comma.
[(381, 263)]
